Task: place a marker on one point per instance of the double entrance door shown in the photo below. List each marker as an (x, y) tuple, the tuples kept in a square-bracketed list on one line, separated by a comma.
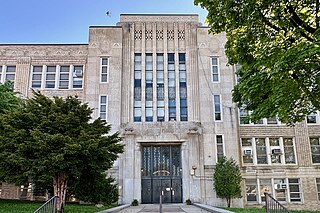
[(161, 174)]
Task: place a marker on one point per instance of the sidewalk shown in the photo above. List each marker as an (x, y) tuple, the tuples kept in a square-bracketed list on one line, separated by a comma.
[(172, 208)]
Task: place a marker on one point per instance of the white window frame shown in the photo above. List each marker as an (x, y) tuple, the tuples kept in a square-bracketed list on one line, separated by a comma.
[(108, 68), (269, 149), (76, 77), (106, 104), (214, 108), (318, 183), (4, 73), (311, 148), (2, 68), (56, 77), (42, 76), (218, 68), (317, 115)]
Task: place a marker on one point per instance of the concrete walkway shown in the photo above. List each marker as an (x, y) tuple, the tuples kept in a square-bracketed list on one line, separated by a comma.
[(172, 208)]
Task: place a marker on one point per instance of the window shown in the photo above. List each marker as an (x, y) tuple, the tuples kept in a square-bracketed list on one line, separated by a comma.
[(294, 188), (272, 120), (171, 87), (149, 87), (215, 69), (318, 187), (289, 154), (103, 107), (220, 149), (247, 150), (137, 88), (265, 187), (313, 118), (183, 87), (261, 151), (283, 189), (1, 68), (160, 87), (217, 107), (51, 77), (36, 77), (244, 116), (10, 74), (315, 150), (104, 70), (77, 76), (251, 190), (275, 150), (64, 77), (268, 151)]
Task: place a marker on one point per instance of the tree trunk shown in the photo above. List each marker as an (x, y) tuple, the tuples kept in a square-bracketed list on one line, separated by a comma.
[(60, 189), (229, 202)]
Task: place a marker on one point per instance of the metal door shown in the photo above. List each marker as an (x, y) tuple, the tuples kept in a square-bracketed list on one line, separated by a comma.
[(161, 174)]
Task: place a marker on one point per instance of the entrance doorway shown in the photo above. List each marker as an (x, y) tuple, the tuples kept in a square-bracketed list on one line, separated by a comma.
[(161, 173)]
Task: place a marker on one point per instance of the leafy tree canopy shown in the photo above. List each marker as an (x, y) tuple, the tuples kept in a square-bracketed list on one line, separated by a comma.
[(277, 44), (227, 179), (55, 139), (8, 99)]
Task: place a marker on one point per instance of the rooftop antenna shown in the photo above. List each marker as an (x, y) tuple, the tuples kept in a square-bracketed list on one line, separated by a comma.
[(108, 13)]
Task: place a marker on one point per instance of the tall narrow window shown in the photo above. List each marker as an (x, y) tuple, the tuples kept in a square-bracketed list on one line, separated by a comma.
[(137, 88), (217, 107), (103, 107), (215, 69), (289, 151), (295, 189), (243, 116), (318, 187), (104, 70), (51, 77), (1, 71), (246, 144), (276, 152), (64, 77), (261, 151), (220, 151), (149, 87), (183, 87), (77, 76), (315, 150), (160, 88), (11, 74), (251, 190), (36, 77), (171, 87)]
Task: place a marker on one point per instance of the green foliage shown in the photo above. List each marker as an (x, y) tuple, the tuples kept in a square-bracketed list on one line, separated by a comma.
[(227, 179), (135, 202), (47, 138), (95, 188), (188, 202), (277, 45), (8, 98)]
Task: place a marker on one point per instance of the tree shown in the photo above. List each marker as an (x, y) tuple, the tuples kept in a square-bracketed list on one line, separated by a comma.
[(277, 45), (55, 139), (8, 98), (227, 179)]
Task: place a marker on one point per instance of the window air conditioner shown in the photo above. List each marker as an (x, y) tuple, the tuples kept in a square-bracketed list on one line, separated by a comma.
[(276, 152), (77, 73), (247, 152)]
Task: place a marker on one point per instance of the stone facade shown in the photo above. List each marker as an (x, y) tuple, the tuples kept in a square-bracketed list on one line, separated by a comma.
[(164, 82)]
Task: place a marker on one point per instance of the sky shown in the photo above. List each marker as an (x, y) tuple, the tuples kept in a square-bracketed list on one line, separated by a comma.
[(68, 21)]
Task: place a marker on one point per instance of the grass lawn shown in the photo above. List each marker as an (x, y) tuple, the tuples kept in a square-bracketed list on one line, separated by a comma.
[(17, 206), (256, 210)]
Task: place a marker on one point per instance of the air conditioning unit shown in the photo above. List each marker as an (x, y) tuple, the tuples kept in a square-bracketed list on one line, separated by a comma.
[(77, 73), (276, 152), (283, 186), (280, 186), (247, 152)]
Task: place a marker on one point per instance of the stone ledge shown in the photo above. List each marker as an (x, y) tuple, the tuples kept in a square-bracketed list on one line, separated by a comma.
[(115, 209), (211, 208)]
